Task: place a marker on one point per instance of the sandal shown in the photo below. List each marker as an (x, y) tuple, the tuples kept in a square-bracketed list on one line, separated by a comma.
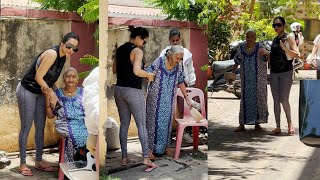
[(276, 131), (150, 168), (291, 131), (124, 163), (44, 167), (240, 129), (25, 172)]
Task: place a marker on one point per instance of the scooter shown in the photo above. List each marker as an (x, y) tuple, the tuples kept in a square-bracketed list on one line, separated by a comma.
[(221, 70)]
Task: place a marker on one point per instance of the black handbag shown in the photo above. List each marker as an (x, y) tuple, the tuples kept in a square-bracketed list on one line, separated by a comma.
[(309, 112), (81, 154)]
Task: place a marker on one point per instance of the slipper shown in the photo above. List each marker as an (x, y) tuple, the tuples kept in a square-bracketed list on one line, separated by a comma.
[(46, 168), (275, 132), (151, 168), (240, 129), (291, 131), (258, 127), (25, 172), (124, 164)]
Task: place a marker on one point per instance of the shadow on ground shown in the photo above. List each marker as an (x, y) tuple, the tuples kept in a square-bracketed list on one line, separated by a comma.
[(243, 148), (311, 170)]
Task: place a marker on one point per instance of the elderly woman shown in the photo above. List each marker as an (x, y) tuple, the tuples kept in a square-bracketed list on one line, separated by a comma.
[(253, 104), (160, 98), (70, 117)]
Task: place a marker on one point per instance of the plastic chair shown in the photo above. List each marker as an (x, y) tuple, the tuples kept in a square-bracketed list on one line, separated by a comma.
[(188, 120), (61, 157)]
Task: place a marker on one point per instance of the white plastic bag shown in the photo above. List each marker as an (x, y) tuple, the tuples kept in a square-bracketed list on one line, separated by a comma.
[(91, 101), (111, 132)]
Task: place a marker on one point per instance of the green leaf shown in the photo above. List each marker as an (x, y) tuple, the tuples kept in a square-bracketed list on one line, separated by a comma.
[(84, 74)]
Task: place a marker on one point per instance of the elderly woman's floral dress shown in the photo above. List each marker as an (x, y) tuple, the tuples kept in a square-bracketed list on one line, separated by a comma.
[(70, 123)]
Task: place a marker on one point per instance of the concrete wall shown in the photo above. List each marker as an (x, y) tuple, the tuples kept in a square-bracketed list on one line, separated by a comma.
[(21, 41)]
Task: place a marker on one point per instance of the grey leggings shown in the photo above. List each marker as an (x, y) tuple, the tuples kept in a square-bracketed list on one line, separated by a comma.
[(31, 107), (131, 101), (280, 84)]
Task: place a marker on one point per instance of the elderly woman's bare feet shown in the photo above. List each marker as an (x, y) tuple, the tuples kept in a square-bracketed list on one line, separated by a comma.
[(152, 157), (169, 152)]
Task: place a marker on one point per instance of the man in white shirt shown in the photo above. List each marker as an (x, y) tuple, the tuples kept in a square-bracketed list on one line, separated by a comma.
[(190, 76), (298, 37)]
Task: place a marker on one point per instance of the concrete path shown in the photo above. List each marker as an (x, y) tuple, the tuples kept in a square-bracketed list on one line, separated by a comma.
[(11, 172), (190, 166), (258, 155)]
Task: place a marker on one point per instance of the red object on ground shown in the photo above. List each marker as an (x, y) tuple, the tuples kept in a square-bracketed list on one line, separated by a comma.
[(306, 66)]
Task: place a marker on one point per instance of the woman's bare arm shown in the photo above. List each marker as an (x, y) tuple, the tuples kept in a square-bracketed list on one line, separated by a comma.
[(293, 51)]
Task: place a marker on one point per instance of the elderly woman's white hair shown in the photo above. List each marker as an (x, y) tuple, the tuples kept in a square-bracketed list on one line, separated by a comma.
[(68, 70), (174, 50), (251, 30)]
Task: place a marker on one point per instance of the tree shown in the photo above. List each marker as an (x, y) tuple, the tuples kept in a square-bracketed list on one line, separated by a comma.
[(65, 5), (226, 20), (89, 10)]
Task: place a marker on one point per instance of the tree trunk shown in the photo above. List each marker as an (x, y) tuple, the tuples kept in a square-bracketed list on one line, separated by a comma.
[(251, 7)]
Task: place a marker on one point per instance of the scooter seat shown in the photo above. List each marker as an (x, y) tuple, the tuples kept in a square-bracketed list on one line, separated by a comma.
[(222, 65)]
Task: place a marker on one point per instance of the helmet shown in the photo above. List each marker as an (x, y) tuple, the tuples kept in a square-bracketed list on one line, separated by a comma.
[(294, 26)]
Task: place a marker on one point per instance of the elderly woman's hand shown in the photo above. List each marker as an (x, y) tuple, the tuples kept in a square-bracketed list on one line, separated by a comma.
[(262, 52), (188, 102)]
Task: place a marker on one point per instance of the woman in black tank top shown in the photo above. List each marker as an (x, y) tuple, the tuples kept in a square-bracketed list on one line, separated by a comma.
[(128, 93), (31, 91), (283, 50)]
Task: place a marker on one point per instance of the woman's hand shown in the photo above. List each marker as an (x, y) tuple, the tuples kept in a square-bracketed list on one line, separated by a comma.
[(53, 99), (150, 77), (282, 45)]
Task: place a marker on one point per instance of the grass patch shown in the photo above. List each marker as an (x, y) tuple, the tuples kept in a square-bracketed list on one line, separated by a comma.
[(200, 156), (108, 177)]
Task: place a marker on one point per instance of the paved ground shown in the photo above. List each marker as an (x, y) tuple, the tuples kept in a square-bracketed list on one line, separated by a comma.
[(257, 155), (190, 166), (11, 171)]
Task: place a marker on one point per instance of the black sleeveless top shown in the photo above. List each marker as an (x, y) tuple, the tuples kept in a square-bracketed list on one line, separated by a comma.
[(125, 75), (50, 78), (278, 58)]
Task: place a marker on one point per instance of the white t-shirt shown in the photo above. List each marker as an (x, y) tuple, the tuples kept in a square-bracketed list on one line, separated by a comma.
[(316, 42), (90, 101)]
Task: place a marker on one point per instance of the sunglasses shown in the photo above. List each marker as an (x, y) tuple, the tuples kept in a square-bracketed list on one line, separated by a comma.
[(279, 25), (73, 47), (144, 42)]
